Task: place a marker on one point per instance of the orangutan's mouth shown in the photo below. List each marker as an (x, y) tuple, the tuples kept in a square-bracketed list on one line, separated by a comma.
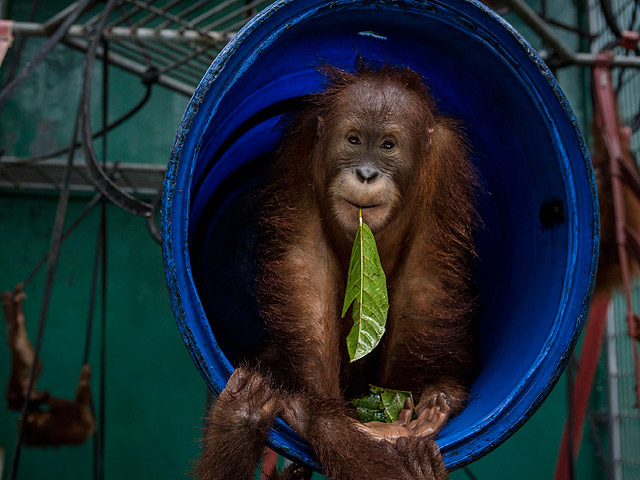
[(363, 206)]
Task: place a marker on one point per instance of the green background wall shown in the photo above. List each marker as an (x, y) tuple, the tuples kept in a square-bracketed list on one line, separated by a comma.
[(154, 396)]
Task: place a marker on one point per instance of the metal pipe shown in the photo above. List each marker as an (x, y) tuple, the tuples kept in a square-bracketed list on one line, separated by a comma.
[(589, 59), (622, 61), (213, 38)]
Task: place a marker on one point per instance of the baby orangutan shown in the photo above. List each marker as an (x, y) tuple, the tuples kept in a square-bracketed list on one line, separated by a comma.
[(372, 140)]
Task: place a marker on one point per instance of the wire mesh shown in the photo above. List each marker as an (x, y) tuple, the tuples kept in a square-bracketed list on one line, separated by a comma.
[(626, 418), (178, 38)]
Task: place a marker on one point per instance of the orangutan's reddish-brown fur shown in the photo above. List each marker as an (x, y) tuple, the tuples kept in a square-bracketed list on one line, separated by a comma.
[(371, 139)]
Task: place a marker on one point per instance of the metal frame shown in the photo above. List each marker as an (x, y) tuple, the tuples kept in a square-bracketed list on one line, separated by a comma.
[(133, 178)]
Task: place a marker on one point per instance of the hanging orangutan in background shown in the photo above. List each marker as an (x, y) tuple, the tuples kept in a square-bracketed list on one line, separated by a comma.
[(372, 140), (50, 421)]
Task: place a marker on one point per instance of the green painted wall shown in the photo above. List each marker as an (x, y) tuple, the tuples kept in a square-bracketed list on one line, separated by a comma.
[(155, 397)]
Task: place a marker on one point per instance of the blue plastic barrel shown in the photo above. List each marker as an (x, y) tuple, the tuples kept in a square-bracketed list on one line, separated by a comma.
[(539, 239)]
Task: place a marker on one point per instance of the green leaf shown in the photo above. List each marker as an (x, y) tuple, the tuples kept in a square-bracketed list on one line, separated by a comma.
[(367, 291), (393, 403), (370, 408), (381, 405)]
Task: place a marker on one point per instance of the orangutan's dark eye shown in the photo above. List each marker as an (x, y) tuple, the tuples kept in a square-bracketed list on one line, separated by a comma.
[(388, 145), (354, 140)]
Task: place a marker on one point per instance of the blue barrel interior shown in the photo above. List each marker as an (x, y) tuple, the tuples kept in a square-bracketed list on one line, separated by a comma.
[(534, 275)]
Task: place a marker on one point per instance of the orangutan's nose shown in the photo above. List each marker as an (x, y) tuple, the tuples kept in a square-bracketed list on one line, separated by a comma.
[(367, 174)]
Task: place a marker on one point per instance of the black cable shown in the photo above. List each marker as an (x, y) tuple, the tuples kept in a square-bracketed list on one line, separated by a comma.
[(10, 89), (103, 346), (92, 296), (87, 209), (103, 233), (56, 241), (101, 181), (100, 133), (105, 97), (89, 334)]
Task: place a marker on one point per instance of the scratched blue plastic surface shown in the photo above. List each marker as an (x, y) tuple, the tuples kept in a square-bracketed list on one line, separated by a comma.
[(535, 281)]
